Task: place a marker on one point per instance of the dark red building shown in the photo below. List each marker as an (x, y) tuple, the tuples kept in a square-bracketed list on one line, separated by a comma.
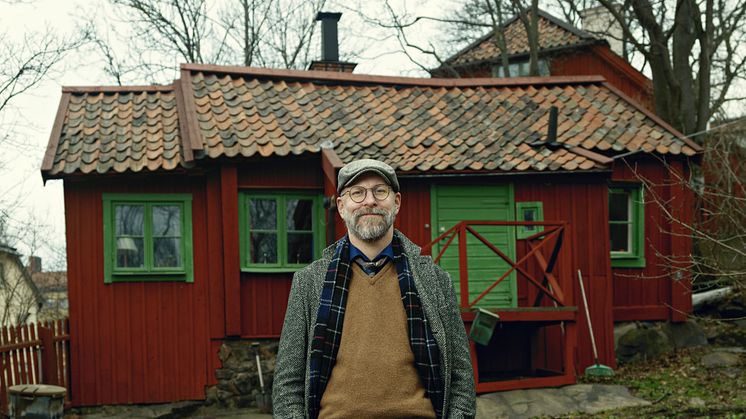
[(646, 286), (189, 207)]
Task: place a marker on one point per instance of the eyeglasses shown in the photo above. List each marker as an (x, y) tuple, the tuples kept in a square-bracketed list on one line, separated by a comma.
[(358, 193)]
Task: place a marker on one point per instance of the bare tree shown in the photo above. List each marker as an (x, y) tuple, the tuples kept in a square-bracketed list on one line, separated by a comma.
[(470, 21), (24, 64), (269, 33), (170, 26), (245, 26), (290, 33), (718, 229), (694, 50)]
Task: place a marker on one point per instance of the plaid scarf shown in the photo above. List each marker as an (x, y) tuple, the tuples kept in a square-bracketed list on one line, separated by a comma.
[(327, 332)]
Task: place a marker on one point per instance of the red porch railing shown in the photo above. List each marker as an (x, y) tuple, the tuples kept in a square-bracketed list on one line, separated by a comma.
[(545, 265), (36, 353)]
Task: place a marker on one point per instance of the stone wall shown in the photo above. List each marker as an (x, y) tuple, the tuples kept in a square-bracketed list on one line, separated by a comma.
[(238, 378)]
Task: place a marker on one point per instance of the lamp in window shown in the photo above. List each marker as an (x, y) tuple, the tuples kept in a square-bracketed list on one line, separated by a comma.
[(127, 246)]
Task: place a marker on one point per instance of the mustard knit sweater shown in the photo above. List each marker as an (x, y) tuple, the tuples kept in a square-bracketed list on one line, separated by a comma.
[(374, 375)]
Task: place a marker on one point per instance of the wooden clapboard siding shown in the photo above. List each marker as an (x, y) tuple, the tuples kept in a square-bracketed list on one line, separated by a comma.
[(264, 296), (135, 342), (589, 61), (581, 201), (649, 293), (600, 60)]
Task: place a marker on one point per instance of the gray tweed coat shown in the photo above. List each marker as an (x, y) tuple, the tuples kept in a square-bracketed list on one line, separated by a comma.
[(291, 381)]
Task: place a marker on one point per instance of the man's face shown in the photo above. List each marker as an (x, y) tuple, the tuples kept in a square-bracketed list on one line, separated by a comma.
[(370, 219)]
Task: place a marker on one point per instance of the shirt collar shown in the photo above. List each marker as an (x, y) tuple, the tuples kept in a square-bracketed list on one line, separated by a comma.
[(387, 251)]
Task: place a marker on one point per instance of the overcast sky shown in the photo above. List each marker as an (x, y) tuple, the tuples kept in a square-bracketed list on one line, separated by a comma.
[(32, 114)]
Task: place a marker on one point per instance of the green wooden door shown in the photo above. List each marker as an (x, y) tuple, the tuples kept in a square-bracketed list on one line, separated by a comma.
[(451, 204)]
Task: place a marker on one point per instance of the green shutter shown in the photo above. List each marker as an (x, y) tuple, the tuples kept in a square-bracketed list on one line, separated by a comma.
[(451, 204)]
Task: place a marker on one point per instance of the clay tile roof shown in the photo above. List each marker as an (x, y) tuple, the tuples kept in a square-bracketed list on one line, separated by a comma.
[(553, 34), (414, 124), (103, 130)]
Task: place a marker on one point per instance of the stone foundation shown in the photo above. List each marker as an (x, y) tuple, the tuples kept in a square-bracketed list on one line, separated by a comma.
[(238, 378)]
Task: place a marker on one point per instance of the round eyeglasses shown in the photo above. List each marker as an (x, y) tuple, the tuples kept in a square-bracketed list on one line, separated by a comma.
[(358, 193)]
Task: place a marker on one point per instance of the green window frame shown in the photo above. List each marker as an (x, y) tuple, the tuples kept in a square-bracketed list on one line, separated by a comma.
[(154, 239), (279, 227), (529, 211), (627, 225)]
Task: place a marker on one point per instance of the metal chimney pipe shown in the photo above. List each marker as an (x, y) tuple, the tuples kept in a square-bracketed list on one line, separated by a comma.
[(552, 134), (329, 41)]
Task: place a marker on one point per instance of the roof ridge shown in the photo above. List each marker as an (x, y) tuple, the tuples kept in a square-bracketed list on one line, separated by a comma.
[(389, 80), (542, 13), (118, 89)]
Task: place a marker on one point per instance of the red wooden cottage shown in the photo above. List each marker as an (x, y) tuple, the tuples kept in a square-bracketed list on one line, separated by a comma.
[(564, 50), (189, 206), (646, 285)]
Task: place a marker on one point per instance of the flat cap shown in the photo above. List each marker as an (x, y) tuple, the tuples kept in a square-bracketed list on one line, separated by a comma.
[(354, 169)]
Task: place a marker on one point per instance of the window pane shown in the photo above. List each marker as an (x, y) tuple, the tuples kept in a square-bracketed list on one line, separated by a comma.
[(619, 206), (263, 248), (300, 247), (130, 252), (167, 252), (167, 220), (529, 214), (262, 214), (299, 214), (619, 234), (128, 220)]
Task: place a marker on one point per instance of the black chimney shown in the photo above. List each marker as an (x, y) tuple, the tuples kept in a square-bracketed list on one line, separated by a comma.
[(329, 39), (330, 46)]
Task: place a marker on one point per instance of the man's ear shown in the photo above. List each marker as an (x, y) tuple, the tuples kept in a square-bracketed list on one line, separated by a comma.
[(340, 205), (397, 202)]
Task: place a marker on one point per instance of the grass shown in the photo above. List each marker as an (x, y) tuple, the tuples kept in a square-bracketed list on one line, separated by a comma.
[(678, 385)]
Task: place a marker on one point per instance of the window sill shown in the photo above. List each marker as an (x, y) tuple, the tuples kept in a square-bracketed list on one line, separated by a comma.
[(627, 262), (274, 269), (149, 277)]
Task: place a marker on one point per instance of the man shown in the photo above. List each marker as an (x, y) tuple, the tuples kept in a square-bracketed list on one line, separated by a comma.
[(372, 329)]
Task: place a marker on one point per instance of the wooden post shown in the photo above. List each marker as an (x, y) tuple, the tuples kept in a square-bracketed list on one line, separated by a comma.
[(48, 356), (231, 255), (463, 270)]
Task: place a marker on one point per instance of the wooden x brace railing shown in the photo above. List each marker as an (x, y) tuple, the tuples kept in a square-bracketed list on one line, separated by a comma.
[(549, 285)]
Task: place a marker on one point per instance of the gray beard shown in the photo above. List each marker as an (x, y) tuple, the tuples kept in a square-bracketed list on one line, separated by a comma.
[(371, 230)]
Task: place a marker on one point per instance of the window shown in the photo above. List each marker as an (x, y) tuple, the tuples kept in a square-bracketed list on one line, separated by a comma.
[(521, 69), (279, 232), (148, 237), (529, 211), (626, 226)]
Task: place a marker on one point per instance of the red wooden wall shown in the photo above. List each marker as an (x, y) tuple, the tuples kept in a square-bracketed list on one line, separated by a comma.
[(153, 342), (264, 296), (582, 202), (579, 200), (649, 293), (136, 342), (600, 60), (596, 60)]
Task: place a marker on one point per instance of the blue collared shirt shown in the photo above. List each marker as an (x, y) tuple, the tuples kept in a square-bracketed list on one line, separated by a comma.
[(371, 267)]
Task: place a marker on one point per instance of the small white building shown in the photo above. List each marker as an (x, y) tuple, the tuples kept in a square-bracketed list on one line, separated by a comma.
[(20, 299)]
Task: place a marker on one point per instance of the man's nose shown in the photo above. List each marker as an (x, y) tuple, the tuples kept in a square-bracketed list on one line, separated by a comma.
[(370, 199)]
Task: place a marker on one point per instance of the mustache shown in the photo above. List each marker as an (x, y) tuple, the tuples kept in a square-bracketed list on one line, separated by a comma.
[(367, 211)]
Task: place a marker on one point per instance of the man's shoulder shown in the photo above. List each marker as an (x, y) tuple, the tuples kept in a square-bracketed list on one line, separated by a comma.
[(313, 269)]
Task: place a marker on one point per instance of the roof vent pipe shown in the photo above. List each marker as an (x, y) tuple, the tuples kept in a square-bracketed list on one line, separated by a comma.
[(552, 131), (329, 40)]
